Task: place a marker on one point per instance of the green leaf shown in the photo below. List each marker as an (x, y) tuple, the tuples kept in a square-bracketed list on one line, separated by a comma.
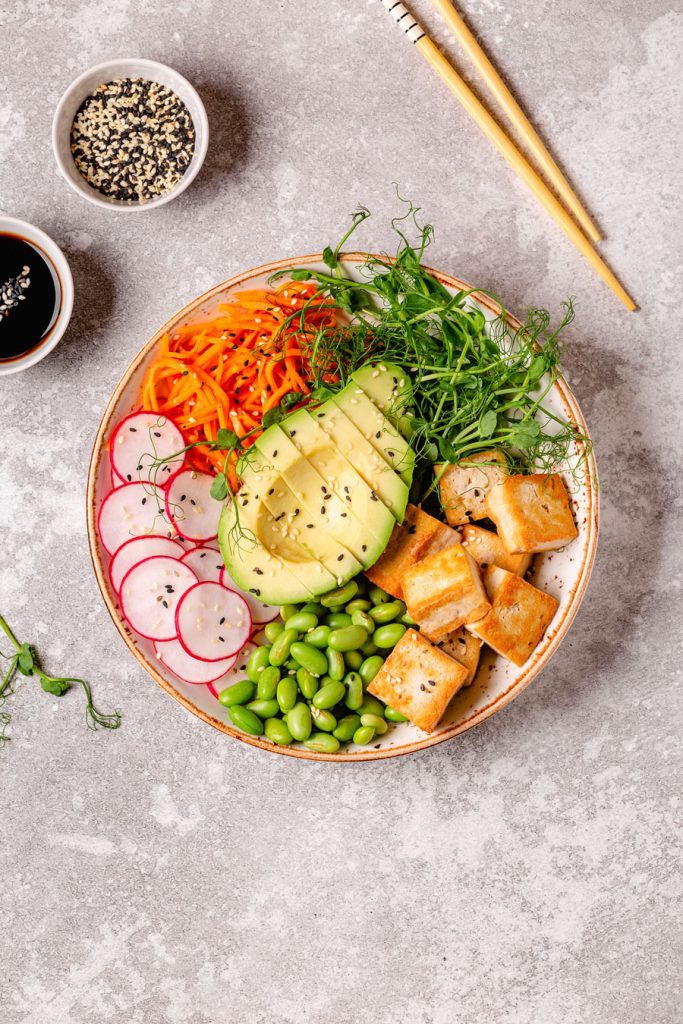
[(290, 399), (25, 660), (58, 687), (272, 416), (447, 451), (537, 368), (300, 275), (488, 423), (219, 487), (329, 258), (226, 439), (525, 434)]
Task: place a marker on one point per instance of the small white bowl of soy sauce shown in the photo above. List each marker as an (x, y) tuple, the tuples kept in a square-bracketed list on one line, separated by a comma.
[(36, 295)]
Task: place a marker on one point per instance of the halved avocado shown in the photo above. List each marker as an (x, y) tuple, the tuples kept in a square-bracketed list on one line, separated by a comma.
[(390, 389), (370, 465), (378, 430), (324, 454)]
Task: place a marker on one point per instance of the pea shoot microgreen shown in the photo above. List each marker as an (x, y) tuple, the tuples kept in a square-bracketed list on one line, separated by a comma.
[(25, 661)]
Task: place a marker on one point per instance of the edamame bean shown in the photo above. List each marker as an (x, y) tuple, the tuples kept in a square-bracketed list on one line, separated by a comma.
[(379, 596), (408, 620), (308, 684), (370, 668), (353, 659), (287, 692), (329, 695), (338, 620), (299, 721), (273, 630), (346, 728), (314, 607), (349, 638), (276, 730), (279, 652), (375, 722), (364, 735), (267, 682), (264, 708), (246, 720), (388, 636), (368, 649), (291, 667), (238, 693), (359, 618), (319, 637), (383, 613), (258, 659), (302, 622), (370, 706), (323, 743), (359, 604), (354, 691), (323, 719), (336, 665), (340, 596), (286, 610), (310, 658), (394, 716)]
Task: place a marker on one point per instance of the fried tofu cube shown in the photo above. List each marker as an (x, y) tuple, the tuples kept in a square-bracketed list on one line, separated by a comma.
[(444, 537), (405, 548), (519, 615), (464, 647), (444, 591), (488, 549), (464, 485), (532, 512), (418, 680)]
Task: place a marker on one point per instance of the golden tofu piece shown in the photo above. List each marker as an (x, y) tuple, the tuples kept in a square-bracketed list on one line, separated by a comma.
[(444, 537), (444, 591), (464, 647), (488, 549), (464, 485), (519, 615), (532, 512), (405, 548), (418, 680)]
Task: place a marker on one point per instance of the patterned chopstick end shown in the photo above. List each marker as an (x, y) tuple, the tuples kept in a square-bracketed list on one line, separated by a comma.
[(404, 19)]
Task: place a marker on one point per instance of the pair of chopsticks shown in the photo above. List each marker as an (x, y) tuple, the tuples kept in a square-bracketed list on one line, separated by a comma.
[(519, 163)]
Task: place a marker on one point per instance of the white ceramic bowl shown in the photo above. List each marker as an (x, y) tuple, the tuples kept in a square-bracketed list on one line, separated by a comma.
[(55, 256), (111, 70)]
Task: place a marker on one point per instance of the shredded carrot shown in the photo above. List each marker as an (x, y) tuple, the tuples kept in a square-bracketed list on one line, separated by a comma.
[(230, 370)]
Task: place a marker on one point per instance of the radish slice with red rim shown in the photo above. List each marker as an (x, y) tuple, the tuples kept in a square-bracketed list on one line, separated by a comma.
[(173, 655), (260, 613), (236, 673), (150, 593), (137, 549), (206, 562), (190, 507), (139, 441), (132, 510), (212, 622)]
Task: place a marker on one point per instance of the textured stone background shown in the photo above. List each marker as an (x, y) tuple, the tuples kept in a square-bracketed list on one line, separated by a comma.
[(523, 873)]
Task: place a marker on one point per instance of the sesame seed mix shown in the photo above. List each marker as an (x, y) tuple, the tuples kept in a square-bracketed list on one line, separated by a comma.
[(132, 139)]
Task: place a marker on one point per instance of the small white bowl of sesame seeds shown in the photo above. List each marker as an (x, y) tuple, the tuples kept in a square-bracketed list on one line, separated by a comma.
[(130, 134)]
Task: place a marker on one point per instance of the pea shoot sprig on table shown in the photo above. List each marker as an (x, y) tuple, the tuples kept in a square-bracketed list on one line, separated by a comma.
[(24, 660)]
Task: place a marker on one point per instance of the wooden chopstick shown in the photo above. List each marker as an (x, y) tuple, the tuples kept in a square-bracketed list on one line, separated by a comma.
[(509, 104), (478, 112)]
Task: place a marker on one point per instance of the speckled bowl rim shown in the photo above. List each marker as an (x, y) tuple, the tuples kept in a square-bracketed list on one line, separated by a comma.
[(532, 668)]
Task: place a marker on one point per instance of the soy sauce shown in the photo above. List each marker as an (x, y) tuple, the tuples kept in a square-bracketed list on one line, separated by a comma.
[(30, 296)]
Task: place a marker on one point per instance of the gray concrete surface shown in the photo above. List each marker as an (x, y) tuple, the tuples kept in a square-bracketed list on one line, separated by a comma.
[(526, 872)]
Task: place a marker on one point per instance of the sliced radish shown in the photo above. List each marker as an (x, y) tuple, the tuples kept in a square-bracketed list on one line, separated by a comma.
[(132, 510), (115, 481), (150, 593), (191, 670), (190, 507), (260, 613), (139, 441), (236, 673), (212, 622), (137, 549), (206, 562)]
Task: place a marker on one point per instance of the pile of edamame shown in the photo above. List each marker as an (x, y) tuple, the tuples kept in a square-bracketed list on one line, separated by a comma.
[(307, 682)]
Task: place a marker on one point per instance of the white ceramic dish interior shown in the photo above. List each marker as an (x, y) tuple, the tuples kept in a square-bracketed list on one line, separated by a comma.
[(85, 84), (562, 573), (60, 267)]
